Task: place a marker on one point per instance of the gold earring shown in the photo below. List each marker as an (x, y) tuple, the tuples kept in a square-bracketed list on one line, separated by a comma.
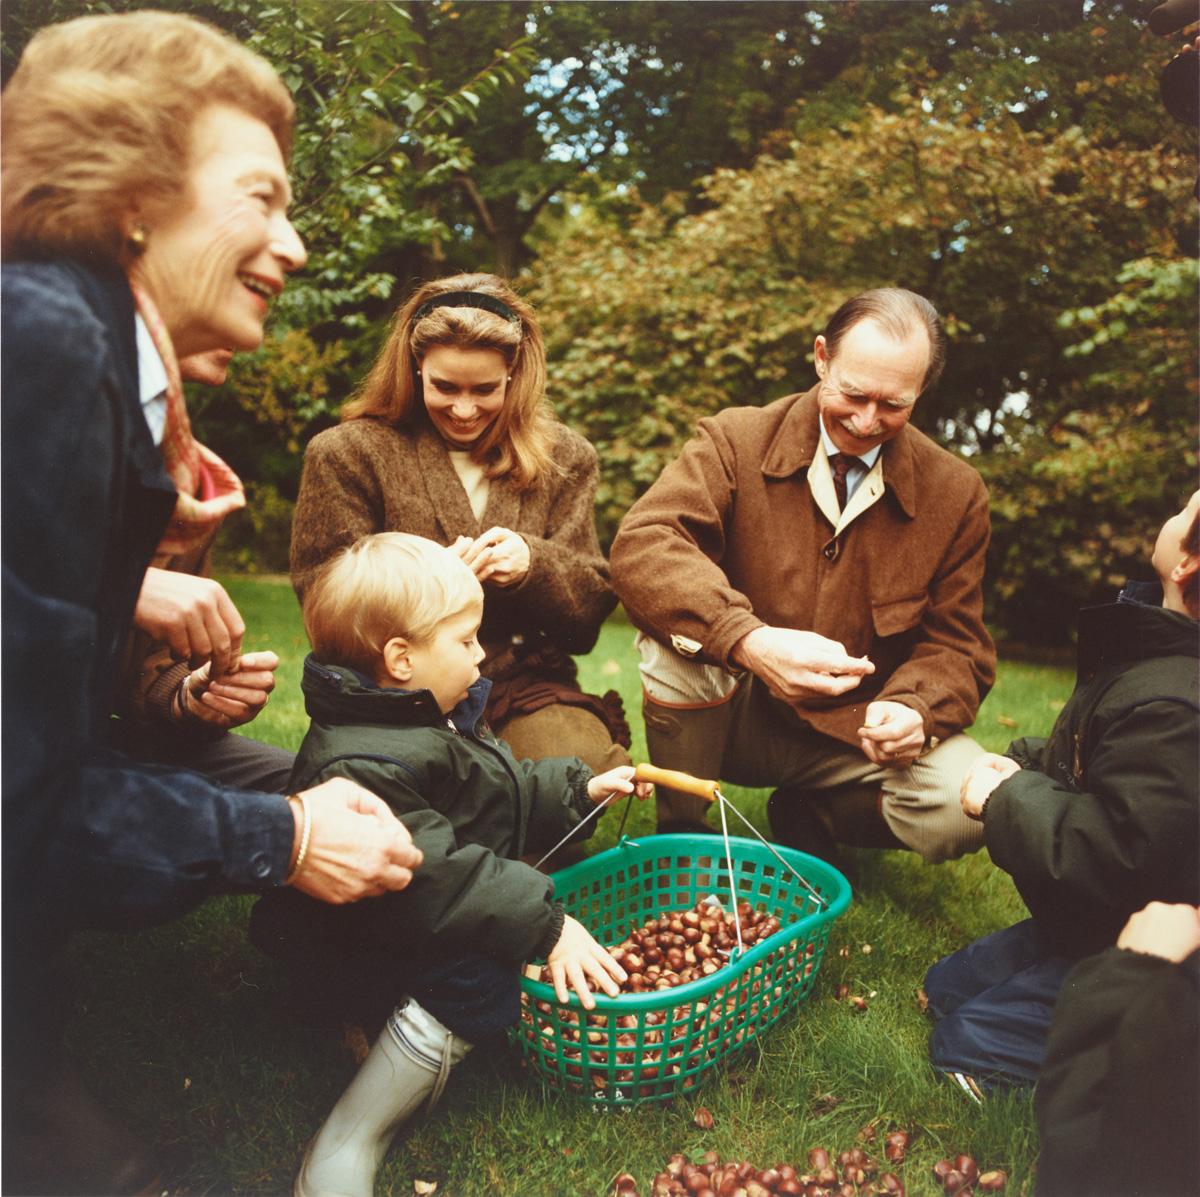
[(137, 238)]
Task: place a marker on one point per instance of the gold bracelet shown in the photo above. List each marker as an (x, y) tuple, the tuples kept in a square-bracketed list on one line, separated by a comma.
[(305, 832)]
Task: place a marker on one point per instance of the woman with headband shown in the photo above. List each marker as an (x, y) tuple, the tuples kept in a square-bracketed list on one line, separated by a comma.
[(450, 437)]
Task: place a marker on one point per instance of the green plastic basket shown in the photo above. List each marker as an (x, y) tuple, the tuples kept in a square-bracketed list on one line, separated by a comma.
[(654, 1046)]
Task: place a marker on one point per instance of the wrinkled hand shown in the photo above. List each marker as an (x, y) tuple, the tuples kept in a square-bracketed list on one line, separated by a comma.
[(357, 847), (618, 781), (576, 958), (193, 616), (796, 665), (1171, 931), (234, 698), (984, 775), (892, 734), (499, 556)]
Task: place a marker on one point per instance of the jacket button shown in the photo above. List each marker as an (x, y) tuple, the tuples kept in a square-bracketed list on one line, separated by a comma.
[(260, 866), (830, 550)]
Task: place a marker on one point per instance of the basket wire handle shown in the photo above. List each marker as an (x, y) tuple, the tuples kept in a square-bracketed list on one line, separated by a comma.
[(722, 802), (593, 813), (817, 896), (702, 788)]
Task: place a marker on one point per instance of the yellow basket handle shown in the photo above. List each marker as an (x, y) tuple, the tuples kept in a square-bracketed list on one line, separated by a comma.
[(673, 779)]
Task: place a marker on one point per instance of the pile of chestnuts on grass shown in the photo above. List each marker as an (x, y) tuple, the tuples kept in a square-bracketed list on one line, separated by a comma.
[(656, 1051), (852, 1173)]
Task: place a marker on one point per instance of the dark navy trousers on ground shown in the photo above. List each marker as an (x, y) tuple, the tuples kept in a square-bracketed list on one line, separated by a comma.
[(993, 1001)]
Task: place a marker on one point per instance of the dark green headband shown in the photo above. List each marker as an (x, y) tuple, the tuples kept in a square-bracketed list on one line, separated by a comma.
[(468, 299)]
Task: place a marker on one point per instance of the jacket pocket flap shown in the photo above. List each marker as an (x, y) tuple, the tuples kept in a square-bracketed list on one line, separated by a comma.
[(893, 616)]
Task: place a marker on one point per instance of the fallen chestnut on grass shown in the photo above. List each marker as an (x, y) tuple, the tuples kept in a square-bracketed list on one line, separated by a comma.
[(967, 1166)]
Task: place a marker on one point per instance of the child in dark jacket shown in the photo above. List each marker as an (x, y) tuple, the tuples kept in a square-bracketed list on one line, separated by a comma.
[(1092, 823), (396, 701)]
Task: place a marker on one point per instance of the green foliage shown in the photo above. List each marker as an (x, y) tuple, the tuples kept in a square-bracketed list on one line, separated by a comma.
[(1076, 506), (257, 539)]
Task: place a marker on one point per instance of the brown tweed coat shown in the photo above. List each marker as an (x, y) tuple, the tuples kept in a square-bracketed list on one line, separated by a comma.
[(729, 538), (368, 476)]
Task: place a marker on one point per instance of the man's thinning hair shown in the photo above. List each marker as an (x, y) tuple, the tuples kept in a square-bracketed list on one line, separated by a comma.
[(899, 313)]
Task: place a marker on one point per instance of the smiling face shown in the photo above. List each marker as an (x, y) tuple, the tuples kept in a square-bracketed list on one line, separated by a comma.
[(447, 664), (213, 265), (868, 391), (463, 391)]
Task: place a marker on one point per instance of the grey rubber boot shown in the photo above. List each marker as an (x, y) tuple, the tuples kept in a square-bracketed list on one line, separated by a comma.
[(410, 1062), (691, 739)]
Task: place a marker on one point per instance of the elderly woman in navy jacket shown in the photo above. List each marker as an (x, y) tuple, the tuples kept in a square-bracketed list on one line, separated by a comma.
[(143, 179)]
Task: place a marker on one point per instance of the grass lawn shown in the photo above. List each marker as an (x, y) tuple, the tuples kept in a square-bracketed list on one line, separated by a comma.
[(191, 1036)]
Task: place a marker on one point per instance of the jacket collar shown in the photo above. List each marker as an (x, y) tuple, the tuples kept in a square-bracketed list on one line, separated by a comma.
[(795, 442), (1134, 629), (335, 694), (106, 291), (447, 498)]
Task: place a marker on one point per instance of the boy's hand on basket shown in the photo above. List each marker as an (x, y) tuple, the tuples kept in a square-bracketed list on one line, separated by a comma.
[(576, 958), (618, 781)]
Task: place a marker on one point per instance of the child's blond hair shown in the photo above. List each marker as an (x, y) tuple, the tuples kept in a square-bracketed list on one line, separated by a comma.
[(386, 585)]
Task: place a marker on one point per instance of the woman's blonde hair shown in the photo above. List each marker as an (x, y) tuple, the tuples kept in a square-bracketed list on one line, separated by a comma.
[(99, 113), (517, 445), (385, 585)]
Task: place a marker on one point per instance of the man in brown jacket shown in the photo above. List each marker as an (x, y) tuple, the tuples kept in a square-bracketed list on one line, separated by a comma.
[(807, 581)]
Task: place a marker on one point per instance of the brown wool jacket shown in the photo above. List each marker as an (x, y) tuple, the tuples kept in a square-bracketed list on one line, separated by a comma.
[(368, 476), (729, 538)]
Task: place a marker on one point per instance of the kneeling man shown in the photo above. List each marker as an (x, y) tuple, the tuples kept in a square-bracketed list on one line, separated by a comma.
[(806, 578)]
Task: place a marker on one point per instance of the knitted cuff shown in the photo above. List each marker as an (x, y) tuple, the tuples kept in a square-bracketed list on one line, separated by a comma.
[(159, 698), (558, 916)]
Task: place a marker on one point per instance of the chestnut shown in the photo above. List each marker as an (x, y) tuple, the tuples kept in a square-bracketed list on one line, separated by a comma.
[(818, 1158), (967, 1166), (953, 1181), (889, 1183), (624, 1183), (992, 1181)]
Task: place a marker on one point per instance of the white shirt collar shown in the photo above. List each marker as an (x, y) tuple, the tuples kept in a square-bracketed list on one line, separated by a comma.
[(152, 381)]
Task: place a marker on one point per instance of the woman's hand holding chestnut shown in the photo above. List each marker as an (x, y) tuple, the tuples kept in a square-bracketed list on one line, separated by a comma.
[(499, 556), (576, 958), (618, 781)]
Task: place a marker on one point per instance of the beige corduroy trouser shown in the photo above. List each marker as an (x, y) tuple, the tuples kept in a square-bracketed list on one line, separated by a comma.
[(751, 739)]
